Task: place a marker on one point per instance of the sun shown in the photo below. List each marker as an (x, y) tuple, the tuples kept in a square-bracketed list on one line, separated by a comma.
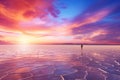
[(25, 39)]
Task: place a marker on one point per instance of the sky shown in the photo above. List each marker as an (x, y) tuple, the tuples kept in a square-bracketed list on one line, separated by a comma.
[(59, 21)]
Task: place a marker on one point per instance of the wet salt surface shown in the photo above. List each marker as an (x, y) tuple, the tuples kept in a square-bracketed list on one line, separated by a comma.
[(59, 62)]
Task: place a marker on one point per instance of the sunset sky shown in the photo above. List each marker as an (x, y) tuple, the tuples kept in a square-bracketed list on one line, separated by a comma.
[(59, 21)]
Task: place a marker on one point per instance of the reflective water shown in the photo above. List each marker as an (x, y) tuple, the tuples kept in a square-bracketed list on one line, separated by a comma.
[(59, 62)]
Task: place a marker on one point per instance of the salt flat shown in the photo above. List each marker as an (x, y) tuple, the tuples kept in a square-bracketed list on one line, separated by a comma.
[(59, 62)]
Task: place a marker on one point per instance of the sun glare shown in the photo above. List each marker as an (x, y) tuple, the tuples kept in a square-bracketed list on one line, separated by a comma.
[(25, 39)]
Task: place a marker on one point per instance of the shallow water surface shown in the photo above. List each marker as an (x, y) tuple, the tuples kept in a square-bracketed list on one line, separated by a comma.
[(59, 62)]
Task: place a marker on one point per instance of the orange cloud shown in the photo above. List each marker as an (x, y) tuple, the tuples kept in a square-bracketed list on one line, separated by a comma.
[(14, 11), (35, 21)]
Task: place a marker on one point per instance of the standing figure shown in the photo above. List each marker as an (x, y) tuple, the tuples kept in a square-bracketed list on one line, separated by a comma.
[(81, 49), (81, 46)]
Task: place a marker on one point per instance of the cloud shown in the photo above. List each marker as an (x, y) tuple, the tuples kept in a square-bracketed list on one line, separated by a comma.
[(98, 33), (3, 42), (39, 20), (14, 11), (86, 26)]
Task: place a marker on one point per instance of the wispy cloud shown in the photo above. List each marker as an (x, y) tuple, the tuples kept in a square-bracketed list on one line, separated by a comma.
[(41, 21)]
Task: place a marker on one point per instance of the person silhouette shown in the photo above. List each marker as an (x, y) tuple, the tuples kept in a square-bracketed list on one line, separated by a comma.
[(81, 46), (81, 49)]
